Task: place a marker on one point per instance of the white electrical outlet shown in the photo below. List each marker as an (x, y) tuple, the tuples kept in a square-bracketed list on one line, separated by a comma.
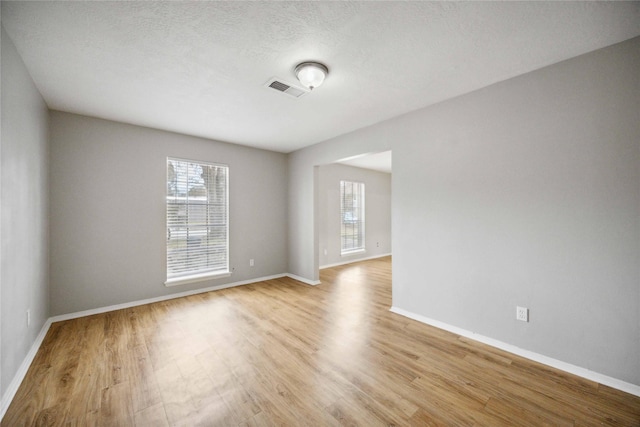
[(28, 318), (325, 252), (251, 262), (522, 313)]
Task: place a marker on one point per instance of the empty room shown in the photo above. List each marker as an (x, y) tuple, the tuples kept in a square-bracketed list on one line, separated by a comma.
[(319, 213)]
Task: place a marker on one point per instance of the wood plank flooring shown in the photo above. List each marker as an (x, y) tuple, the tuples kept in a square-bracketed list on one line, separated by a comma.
[(283, 353)]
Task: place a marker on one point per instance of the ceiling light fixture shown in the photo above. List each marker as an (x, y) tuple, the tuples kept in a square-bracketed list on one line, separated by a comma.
[(311, 74)]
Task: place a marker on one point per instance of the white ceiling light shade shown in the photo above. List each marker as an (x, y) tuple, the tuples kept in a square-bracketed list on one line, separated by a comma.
[(311, 74)]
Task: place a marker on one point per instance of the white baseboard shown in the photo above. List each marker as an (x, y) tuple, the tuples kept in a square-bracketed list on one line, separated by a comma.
[(351, 261), (545, 360), (115, 307), (11, 391), (303, 280)]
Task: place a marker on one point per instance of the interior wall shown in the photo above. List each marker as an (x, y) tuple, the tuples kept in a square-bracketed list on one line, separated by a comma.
[(523, 193), (24, 204), (377, 212), (108, 227)]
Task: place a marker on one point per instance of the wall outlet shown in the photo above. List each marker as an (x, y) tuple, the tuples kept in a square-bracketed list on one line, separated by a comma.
[(251, 262), (28, 318), (522, 313), (325, 252)]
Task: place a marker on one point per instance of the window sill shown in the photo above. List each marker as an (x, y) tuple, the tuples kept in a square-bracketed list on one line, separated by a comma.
[(196, 278), (356, 252)]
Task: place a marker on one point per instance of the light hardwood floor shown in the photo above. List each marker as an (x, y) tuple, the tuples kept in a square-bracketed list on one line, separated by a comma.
[(284, 353)]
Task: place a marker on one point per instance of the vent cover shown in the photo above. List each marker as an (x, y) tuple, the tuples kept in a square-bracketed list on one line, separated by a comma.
[(286, 88)]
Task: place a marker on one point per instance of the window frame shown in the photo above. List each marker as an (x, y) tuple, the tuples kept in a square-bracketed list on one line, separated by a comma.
[(361, 219), (197, 275)]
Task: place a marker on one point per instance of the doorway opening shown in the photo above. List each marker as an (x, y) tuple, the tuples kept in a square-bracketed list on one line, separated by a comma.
[(347, 216)]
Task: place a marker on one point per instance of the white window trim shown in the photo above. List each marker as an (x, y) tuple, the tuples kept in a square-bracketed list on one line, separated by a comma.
[(196, 278), (354, 251), (208, 275)]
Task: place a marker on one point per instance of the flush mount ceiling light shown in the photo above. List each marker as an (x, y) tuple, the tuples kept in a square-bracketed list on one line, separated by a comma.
[(311, 74)]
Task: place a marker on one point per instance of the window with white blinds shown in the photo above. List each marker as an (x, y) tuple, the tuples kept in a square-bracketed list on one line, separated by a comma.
[(352, 216), (197, 220)]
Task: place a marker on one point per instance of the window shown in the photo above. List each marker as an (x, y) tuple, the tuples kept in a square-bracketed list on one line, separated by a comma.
[(197, 221), (352, 217)]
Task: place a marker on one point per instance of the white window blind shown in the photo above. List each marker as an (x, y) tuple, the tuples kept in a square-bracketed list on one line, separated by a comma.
[(352, 216), (197, 220)]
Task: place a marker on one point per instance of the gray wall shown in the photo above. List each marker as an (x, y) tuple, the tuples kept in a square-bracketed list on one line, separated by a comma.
[(24, 210), (108, 229), (524, 193), (377, 212)]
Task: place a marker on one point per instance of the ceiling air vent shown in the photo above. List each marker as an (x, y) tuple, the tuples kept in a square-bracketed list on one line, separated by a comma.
[(287, 88)]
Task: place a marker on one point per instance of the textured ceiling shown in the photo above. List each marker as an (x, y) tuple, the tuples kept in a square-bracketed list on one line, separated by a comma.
[(199, 68)]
